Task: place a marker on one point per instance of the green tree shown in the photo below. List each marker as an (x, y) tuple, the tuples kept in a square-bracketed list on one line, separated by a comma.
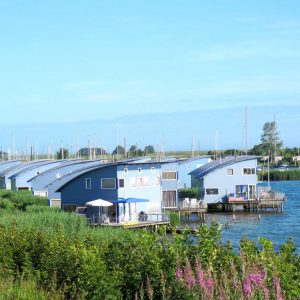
[(149, 149), (135, 151), (270, 140), (119, 150), (62, 153)]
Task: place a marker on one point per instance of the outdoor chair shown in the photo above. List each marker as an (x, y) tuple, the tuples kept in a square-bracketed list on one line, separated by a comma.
[(186, 202), (193, 203)]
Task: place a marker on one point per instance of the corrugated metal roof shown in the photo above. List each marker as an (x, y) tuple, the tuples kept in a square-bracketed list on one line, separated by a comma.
[(33, 166), (219, 163)]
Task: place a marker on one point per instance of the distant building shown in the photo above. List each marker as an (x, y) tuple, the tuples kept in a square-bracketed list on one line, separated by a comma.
[(278, 159), (155, 180), (231, 176), (296, 158)]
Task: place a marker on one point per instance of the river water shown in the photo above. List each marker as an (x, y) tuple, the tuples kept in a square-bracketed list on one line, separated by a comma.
[(275, 226)]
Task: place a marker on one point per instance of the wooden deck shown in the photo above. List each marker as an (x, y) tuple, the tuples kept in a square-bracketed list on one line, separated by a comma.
[(187, 211), (256, 205), (133, 224)]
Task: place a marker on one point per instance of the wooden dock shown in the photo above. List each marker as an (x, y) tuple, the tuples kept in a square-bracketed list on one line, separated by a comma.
[(187, 211), (256, 205), (152, 225)]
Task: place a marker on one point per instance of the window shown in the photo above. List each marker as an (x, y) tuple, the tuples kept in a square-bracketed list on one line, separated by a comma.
[(241, 191), (108, 183), (70, 207), (252, 191), (55, 203), (121, 183), (88, 183), (133, 181), (249, 171), (140, 181), (146, 181), (229, 171), (212, 191), (157, 180), (169, 199), (169, 175)]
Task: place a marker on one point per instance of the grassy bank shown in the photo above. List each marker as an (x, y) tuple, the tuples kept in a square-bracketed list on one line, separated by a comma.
[(57, 255), (276, 175)]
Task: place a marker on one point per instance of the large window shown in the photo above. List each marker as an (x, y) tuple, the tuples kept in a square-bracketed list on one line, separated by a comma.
[(146, 181), (70, 207), (169, 199), (249, 171), (212, 191), (252, 191), (169, 175), (241, 191), (140, 181), (157, 180), (108, 183), (133, 181), (88, 183)]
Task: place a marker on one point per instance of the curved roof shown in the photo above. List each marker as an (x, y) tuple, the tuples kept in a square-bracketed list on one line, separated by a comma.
[(66, 164), (34, 166), (61, 182), (218, 164), (18, 167)]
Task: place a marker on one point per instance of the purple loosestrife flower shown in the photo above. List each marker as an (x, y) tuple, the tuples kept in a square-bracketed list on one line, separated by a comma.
[(209, 283), (247, 288), (266, 293), (179, 271), (189, 274), (200, 274), (179, 274), (277, 286), (256, 279)]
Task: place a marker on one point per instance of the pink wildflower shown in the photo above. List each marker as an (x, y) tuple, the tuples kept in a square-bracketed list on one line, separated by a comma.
[(188, 274), (256, 279), (277, 286), (200, 274), (179, 274), (247, 288), (266, 293), (179, 271), (209, 285)]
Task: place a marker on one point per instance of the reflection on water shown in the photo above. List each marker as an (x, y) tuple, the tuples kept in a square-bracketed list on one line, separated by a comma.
[(272, 225)]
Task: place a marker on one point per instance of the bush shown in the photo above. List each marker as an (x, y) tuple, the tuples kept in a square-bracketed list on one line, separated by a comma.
[(189, 193)]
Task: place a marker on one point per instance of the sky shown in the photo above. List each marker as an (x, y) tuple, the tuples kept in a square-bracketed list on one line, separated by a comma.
[(156, 72)]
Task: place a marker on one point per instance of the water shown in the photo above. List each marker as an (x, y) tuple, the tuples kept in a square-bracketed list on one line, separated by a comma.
[(275, 226)]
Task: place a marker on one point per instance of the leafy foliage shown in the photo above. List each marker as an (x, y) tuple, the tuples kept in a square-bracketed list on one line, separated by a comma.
[(276, 175), (189, 193), (118, 150), (62, 153), (55, 254)]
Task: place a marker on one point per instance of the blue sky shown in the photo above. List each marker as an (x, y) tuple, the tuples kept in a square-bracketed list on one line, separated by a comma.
[(153, 71)]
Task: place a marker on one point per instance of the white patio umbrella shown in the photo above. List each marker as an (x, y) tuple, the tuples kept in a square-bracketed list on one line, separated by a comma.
[(99, 203)]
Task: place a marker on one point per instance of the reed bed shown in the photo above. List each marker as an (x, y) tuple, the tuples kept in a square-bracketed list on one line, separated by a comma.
[(49, 254)]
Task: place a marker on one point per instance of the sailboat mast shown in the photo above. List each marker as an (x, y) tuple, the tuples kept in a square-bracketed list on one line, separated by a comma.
[(246, 131)]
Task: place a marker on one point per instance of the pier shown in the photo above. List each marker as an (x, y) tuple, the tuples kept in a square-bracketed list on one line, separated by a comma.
[(187, 211), (255, 205)]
